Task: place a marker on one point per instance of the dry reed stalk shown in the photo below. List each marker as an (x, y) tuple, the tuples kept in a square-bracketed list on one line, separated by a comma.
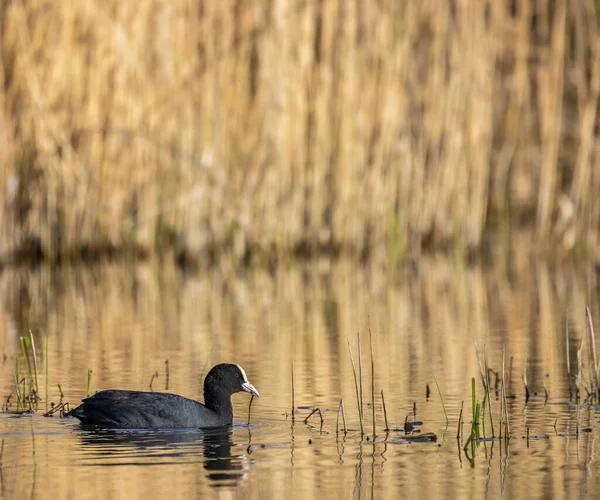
[(139, 127)]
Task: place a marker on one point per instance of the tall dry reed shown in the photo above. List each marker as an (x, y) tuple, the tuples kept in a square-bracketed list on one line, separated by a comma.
[(376, 128)]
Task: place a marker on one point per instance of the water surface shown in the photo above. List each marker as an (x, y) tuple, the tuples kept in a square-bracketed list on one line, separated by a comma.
[(124, 321)]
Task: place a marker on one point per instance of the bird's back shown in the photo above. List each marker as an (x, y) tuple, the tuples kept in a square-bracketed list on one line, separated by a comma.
[(144, 410)]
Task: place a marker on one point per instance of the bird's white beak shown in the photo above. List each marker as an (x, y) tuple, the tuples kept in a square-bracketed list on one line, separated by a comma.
[(248, 387)]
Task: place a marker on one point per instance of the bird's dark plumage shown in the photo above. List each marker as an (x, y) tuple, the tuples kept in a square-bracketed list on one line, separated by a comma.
[(152, 410)]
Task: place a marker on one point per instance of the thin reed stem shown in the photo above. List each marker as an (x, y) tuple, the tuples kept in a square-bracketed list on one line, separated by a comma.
[(441, 399), (293, 397), (250, 407), (35, 364), (360, 417), (372, 382), (360, 376), (387, 427), (507, 432), (45, 347)]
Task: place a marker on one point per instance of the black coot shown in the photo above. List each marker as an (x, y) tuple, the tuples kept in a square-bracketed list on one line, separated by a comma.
[(155, 410)]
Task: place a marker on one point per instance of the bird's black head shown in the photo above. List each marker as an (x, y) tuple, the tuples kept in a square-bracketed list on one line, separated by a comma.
[(226, 379)]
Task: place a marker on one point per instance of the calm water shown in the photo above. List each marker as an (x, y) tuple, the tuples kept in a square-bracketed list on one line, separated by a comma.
[(124, 322)]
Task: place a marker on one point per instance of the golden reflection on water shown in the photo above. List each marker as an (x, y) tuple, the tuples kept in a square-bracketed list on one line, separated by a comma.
[(123, 322)]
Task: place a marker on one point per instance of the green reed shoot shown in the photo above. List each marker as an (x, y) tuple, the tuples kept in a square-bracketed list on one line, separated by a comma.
[(25, 345), (89, 383), (473, 398), (441, 399), (486, 399)]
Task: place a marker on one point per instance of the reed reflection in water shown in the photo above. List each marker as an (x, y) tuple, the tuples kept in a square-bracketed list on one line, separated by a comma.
[(124, 322)]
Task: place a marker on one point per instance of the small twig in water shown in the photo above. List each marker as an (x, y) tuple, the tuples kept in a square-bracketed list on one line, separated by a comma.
[(316, 410), (250, 407), (387, 427), (154, 375)]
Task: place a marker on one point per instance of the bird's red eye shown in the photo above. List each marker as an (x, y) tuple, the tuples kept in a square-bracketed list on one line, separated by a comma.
[(237, 374)]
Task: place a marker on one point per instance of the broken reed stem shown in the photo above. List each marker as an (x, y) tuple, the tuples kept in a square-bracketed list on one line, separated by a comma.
[(250, 407), (341, 410), (360, 417), (372, 382), (89, 383), (441, 399), (316, 410), (60, 391), (293, 397), (154, 375), (387, 427)]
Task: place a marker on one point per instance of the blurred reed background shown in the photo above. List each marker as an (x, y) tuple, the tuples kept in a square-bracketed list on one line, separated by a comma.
[(265, 129)]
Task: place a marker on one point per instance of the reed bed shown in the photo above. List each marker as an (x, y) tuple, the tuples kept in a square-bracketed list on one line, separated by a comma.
[(296, 126)]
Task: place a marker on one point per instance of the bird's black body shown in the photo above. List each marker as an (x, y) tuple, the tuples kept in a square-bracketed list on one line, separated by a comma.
[(152, 410)]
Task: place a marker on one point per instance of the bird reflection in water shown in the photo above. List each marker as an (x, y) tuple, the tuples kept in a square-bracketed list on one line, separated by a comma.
[(146, 448)]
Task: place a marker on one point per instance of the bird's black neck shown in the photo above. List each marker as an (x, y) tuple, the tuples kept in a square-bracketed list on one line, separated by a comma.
[(218, 403)]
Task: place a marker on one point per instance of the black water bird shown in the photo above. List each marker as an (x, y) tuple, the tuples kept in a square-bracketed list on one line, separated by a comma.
[(119, 409)]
